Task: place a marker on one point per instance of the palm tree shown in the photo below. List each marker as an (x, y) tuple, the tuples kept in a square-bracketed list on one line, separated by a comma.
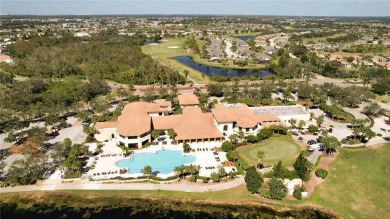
[(260, 155), (148, 171), (320, 120), (233, 138), (293, 123), (179, 171), (301, 124), (186, 72), (241, 135)]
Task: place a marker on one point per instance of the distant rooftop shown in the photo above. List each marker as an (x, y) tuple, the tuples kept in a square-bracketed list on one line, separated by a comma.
[(279, 110)]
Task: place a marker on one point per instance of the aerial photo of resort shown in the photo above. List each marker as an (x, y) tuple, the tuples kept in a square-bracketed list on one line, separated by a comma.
[(194, 109)]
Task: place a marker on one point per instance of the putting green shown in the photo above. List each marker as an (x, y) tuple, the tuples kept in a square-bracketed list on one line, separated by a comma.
[(276, 148)]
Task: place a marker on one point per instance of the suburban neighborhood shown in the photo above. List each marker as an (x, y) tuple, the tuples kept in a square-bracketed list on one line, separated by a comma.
[(279, 110)]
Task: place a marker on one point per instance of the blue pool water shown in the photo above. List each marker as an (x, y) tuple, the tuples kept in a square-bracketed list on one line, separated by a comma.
[(164, 161)]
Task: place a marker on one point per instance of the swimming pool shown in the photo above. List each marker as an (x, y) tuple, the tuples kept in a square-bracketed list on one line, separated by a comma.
[(163, 161)]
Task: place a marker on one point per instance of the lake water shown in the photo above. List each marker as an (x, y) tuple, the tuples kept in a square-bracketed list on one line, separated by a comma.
[(209, 70), (148, 42), (163, 161), (245, 38)]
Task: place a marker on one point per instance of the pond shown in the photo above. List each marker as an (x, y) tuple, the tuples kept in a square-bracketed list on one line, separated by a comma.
[(245, 38), (209, 70), (148, 42)]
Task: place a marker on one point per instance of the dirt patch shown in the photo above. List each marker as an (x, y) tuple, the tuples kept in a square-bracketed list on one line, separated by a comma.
[(314, 180), (25, 145)]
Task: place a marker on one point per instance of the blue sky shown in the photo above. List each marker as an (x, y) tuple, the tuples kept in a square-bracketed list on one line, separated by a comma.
[(218, 7)]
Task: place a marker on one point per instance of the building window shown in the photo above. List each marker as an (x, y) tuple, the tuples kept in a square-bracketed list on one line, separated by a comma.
[(225, 127), (133, 137), (247, 129), (122, 136), (144, 134)]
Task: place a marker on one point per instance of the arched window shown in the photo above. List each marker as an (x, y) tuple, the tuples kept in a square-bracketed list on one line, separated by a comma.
[(225, 127)]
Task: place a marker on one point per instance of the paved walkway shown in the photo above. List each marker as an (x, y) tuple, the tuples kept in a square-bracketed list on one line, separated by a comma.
[(184, 186)]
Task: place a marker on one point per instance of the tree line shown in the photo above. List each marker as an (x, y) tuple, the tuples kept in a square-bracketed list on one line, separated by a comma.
[(105, 56)]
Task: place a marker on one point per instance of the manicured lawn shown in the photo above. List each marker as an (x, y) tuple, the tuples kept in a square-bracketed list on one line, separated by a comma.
[(358, 184), (163, 53), (317, 39), (281, 148)]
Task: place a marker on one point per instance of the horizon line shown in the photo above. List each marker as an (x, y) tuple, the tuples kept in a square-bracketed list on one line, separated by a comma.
[(230, 15)]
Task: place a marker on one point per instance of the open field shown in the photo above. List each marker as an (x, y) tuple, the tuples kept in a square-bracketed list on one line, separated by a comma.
[(358, 185), (323, 39), (276, 148)]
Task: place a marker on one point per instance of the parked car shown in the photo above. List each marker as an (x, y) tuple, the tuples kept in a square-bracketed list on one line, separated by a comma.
[(310, 142), (296, 133), (330, 130), (300, 139), (310, 150)]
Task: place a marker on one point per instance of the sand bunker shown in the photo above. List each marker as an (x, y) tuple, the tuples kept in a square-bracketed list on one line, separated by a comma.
[(173, 47)]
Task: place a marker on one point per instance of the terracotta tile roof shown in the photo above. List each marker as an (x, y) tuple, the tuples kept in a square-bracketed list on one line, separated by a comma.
[(240, 113), (268, 124), (192, 124), (163, 103), (134, 119), (103, 125), (154, 108), (188, 99)]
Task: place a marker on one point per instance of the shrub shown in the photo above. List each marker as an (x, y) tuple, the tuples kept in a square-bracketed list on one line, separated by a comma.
[(298, 192), (321, 173), (251, 139), (264, 134), (227, 146), (264, 191), (277, 189), (313, 128), (192, 178)]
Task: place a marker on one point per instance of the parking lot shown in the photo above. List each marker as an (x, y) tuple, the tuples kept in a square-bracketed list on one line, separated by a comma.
[(74, 132)]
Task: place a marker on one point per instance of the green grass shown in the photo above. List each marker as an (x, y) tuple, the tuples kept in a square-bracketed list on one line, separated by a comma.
[(276, 148), (164, 54), (383, 98), (323, 39), (358, 184)]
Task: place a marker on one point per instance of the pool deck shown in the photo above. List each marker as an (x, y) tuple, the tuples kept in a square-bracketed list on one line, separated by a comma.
[(105, 167)]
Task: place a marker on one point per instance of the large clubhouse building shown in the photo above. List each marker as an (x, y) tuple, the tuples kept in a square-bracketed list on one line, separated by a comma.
[(138, 119)]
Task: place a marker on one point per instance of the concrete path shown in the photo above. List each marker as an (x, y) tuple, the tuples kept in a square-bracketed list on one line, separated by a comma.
[(183, 186)]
